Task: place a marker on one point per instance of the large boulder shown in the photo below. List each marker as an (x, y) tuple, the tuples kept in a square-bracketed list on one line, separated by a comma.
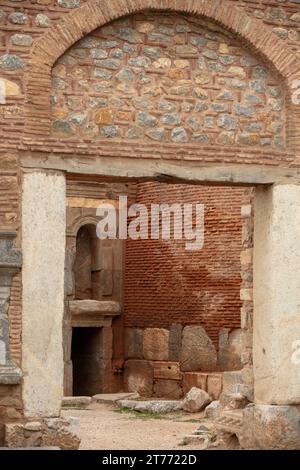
[(196, 400), (156, 344), (197, 351)]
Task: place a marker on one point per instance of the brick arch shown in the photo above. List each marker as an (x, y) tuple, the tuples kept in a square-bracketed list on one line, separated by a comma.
[(96, 13)]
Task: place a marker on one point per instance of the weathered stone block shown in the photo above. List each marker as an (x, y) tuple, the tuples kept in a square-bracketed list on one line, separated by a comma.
[(214, 385), (168, 389), (156, 344), (133, 343), (138, 377), (198, 351), (194, 379), (270, 427), (246, 256), (231, 347), (239, 382), (166, 370), (196, 400), (212, 410)]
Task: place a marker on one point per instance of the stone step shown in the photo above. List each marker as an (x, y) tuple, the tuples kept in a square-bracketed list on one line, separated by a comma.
[(230, 421), (76, 401), (114, 397), (152, 406)]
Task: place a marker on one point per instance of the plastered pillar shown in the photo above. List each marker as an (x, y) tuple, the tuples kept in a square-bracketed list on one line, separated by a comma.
[(276, 320), (43, 246)]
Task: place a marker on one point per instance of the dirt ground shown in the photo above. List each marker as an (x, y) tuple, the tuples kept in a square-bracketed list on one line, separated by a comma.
[(104, 427)]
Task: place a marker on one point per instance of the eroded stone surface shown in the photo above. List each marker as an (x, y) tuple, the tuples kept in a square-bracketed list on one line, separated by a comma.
[(195, 400), (58, 432), (156, 344), (167, 389), (133, 343), (231, 346), (270, 427), (138, 377), (198, 351)]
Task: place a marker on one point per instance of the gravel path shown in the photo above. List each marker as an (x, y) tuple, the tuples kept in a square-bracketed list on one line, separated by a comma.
[(103, 428)]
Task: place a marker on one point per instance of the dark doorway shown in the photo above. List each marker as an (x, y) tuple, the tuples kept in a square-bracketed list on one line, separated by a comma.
[(87, 361)]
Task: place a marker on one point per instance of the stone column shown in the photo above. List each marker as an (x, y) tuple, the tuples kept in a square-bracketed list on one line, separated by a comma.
[(43, 245), (276, 322), (277, 295)]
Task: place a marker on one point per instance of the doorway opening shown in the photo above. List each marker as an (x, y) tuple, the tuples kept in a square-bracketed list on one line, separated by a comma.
[(87, 361)]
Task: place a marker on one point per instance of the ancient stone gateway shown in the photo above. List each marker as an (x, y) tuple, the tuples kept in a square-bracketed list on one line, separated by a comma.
[(116, 94)]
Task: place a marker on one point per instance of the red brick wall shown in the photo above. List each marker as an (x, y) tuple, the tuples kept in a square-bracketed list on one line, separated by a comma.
[(166, 284)]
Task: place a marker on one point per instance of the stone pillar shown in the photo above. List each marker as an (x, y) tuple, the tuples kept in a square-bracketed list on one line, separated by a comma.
[(276, 335), (43, 245)]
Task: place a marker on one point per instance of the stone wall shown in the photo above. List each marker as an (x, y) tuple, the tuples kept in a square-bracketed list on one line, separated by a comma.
[(25, 22), (166, 78), (167, 363)]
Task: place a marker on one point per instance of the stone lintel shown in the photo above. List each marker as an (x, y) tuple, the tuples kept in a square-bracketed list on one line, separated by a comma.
[(193, 172), (87, 307), (93, 313)]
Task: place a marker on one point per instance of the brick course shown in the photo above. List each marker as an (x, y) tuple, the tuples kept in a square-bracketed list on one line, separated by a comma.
[(166, 284)]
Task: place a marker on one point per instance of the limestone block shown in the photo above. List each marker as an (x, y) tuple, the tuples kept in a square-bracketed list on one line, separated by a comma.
[(166, 370), (231, 347), (197, 352), (133, 343), (246, 257), (167, 389), (138, 377), (214, 385), (270, 427), (43, 245), (156, 344), (276, 326), (239, 382), (195, 400), (194, 379)]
